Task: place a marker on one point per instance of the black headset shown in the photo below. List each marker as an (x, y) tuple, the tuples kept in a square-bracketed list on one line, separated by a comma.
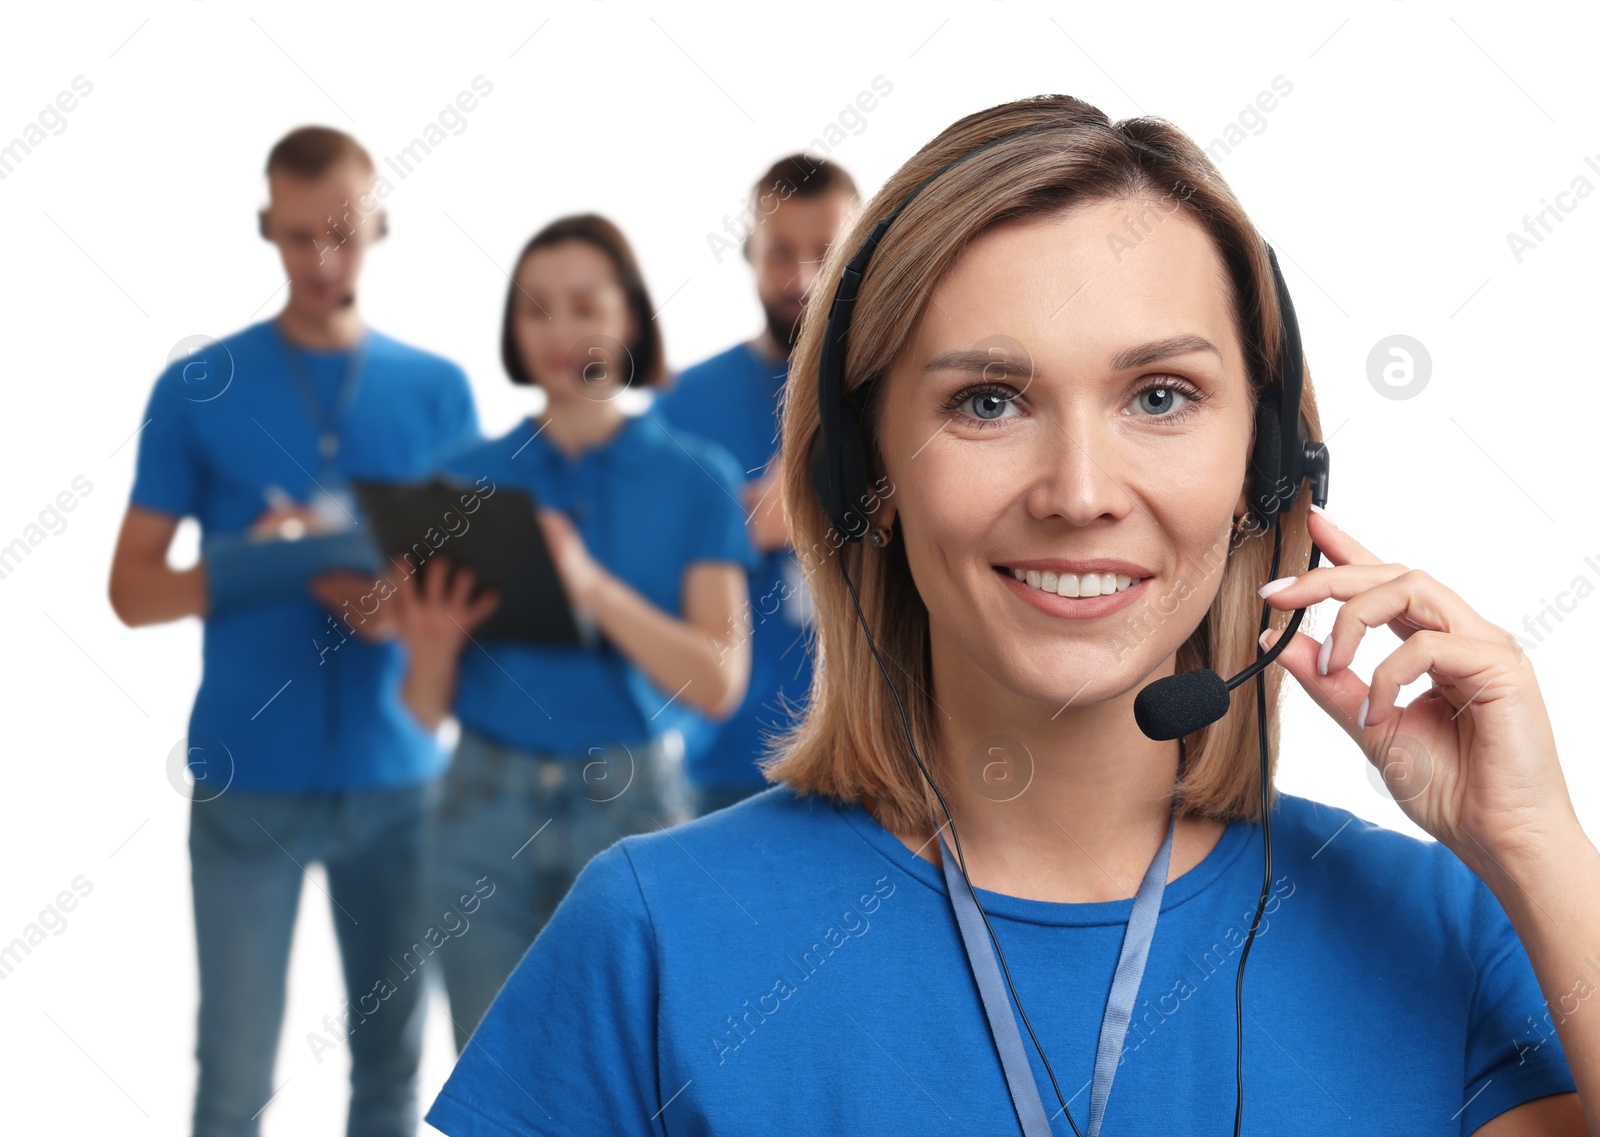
[(1171, 708)]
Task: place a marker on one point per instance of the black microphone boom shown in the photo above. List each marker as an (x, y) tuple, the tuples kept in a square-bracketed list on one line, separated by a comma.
[(1178, 705)]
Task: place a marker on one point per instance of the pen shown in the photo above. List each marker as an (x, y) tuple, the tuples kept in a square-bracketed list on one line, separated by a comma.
[(290, 528)]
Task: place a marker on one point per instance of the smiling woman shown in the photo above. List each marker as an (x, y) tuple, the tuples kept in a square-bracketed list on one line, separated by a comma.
[(1071, 436), (1050, 387)]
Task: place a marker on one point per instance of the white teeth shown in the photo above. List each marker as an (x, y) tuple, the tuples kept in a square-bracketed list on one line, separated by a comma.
[(1072, 584)]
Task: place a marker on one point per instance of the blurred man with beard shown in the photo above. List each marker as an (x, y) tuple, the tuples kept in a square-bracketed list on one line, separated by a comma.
[(801, 206)]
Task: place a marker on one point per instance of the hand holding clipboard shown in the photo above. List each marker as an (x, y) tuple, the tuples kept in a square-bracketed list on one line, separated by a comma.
[(287, 548), (495, 533)]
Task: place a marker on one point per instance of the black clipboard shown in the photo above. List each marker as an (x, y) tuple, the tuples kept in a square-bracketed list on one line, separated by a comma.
[(496, 533)]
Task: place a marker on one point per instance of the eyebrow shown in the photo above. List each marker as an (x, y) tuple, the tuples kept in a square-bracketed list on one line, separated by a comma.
[(979, 362), (581, 291)]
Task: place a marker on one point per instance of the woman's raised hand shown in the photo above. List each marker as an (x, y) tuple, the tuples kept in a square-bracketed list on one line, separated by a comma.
[(579, 571), (1472, 760)]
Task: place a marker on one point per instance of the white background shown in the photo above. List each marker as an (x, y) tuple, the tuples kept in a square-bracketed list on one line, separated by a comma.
[(1415, 138)]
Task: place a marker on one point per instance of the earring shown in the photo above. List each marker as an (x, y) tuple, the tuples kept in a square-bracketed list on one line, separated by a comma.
[(881, 535)]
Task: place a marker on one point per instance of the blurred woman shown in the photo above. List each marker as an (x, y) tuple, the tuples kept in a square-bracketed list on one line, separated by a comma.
[(566, 749)]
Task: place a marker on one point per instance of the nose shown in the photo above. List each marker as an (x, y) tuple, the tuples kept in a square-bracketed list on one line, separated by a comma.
[(807, 277), (1082, 473), (329, 262)]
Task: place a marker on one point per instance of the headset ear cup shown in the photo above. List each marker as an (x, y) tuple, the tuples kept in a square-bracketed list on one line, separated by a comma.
[(852, 473), (261, 224), (842, 510), (1266, 461), (383, 225), (819, 477)]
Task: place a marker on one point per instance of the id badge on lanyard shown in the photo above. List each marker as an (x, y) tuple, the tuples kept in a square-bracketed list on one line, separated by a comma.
[(334, 508), (332, 503)]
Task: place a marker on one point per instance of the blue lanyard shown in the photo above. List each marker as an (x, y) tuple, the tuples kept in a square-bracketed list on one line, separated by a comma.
[(1119, 1006), (327, 426)]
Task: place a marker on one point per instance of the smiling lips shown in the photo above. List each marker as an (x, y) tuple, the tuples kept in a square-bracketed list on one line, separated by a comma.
[(1086, 579), (1074, 584), (1103, 588)]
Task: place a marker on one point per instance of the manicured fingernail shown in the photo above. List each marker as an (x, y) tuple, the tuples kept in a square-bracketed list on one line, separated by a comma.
[(1315, 508), (1278, 585), (1268, 638), (1322, 656), (1361, 713)]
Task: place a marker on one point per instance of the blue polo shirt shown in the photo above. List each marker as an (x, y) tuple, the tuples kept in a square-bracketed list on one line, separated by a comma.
[(649, 502), (289, 699), (733, 399), (787, 965)]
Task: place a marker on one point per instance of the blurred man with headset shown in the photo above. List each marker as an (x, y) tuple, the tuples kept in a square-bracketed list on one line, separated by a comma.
[(299, 746)]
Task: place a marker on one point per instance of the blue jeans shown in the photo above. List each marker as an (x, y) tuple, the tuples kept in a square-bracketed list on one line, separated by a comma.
[(247, 853), (516, 828)]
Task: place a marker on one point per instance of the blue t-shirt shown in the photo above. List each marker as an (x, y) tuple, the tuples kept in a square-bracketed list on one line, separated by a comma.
[(290, 700), (733, 398), (649, 502), (788, 966)]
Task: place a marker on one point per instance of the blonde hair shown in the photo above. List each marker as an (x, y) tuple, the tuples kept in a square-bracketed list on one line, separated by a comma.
[(848, 744)]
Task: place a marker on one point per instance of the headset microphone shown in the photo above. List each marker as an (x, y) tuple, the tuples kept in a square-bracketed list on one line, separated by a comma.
[(1181, 704), (1171, 708)]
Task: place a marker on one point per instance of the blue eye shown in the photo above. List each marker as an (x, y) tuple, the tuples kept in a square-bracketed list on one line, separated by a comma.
[(989, 403), (1164, 391), (1167, 394)]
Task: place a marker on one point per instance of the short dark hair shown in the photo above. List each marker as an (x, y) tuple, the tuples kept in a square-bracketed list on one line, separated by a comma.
[(804, 176), (647, 352), (311, 151), (798, 175)]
